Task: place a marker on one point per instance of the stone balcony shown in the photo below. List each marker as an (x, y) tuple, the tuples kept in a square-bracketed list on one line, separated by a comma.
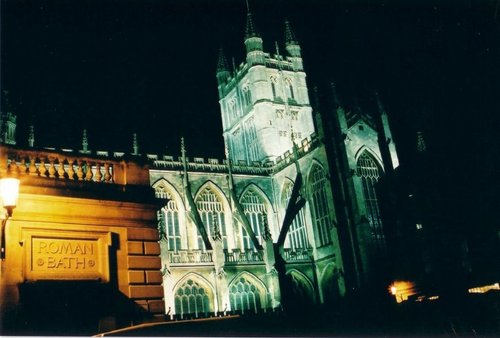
[(236, 257), (187, 257), (297, 255)]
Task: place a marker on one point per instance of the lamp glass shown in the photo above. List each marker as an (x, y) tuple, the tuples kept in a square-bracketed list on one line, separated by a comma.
[(9, 190)]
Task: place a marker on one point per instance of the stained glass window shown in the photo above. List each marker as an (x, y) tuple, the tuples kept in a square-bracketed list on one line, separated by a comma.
[(369, 172), (212, 215), (254, 209), (191, 298), (297, 235), (244, 296), (319, 198)]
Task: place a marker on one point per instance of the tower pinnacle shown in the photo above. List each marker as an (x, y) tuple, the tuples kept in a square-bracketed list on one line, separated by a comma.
[(31, 136), (85, 141), (222, 68), (289, 36), (135, 145), (253, 42), (250, 31), (293, 47)]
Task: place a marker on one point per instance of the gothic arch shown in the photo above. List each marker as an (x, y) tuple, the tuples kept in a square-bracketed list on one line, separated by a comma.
[(256, 205), (254, 279), (315, 164), (198, 277), (318, 198), (364, 149), (298, 292), (286, 182), (215, 212), (169, 187), (260, 192), (368, 171), (217, 190), (328, 282), (193, 296), (297, 237), (247, 292)]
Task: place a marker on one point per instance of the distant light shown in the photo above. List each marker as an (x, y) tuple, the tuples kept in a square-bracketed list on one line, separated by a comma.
[(419, 226), (485, 288), (401, 290), (410, 195)]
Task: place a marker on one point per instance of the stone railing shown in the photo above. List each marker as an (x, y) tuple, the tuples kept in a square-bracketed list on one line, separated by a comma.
[(190, 257), (297, 255), (212, 165), (237, 256), (238, 167), (59, 166)]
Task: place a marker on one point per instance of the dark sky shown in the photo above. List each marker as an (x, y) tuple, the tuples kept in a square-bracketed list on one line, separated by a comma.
[(116, 67)]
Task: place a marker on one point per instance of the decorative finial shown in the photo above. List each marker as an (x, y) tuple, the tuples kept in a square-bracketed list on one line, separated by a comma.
[(216, 236), (85, 141), (289, 36), (421, 147), (135, 145), (183, 147), (266, 234), (250, 31), (222, 62), (31, 136)]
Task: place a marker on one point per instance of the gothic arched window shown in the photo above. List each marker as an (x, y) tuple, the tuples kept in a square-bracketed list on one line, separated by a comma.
[(168, 218), (291, 94), (244, 296), (297, 235), (247, 96), (369, 172), (273, 87), (318, 184), (191, 298), (212, 215), (254, 209)]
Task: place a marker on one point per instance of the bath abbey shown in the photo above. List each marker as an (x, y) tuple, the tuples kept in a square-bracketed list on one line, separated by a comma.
[(288, 219)]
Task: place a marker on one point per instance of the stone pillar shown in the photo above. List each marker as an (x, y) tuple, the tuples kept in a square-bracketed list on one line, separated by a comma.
[(272, 278), (222, 301)]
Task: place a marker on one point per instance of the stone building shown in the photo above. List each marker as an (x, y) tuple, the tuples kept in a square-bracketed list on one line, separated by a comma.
[(289, 219), (259, 230)]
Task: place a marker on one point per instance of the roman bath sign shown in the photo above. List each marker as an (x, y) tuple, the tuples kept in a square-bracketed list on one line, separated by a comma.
[(66, 255)]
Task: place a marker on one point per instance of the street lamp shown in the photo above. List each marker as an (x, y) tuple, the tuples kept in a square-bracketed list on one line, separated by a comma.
[(9, 190)]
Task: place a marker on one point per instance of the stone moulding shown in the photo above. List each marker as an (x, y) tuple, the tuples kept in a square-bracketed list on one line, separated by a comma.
[(65, 255)]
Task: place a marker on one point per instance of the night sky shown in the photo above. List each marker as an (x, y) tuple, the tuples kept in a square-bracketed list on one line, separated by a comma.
[(148, 66)]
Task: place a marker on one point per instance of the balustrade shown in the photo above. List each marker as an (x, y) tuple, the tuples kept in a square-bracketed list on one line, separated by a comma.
[(59, 166), (295, 255), (189, 257), (237, 256)]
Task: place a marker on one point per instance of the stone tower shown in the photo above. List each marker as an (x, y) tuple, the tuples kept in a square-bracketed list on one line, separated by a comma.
[(7, 123), (264, 101)]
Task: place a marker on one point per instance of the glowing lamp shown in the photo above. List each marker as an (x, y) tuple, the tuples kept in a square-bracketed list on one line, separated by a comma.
[(9, 191)]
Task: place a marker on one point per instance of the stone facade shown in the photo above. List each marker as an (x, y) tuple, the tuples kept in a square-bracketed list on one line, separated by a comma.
[(82, 220), (280, 223)]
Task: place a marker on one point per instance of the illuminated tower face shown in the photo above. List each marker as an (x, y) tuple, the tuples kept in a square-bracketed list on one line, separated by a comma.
[(263, 102)]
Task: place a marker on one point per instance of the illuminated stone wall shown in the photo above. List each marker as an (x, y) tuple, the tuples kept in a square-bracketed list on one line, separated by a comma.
[(79, 228), (315, 268), (261, 105)]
